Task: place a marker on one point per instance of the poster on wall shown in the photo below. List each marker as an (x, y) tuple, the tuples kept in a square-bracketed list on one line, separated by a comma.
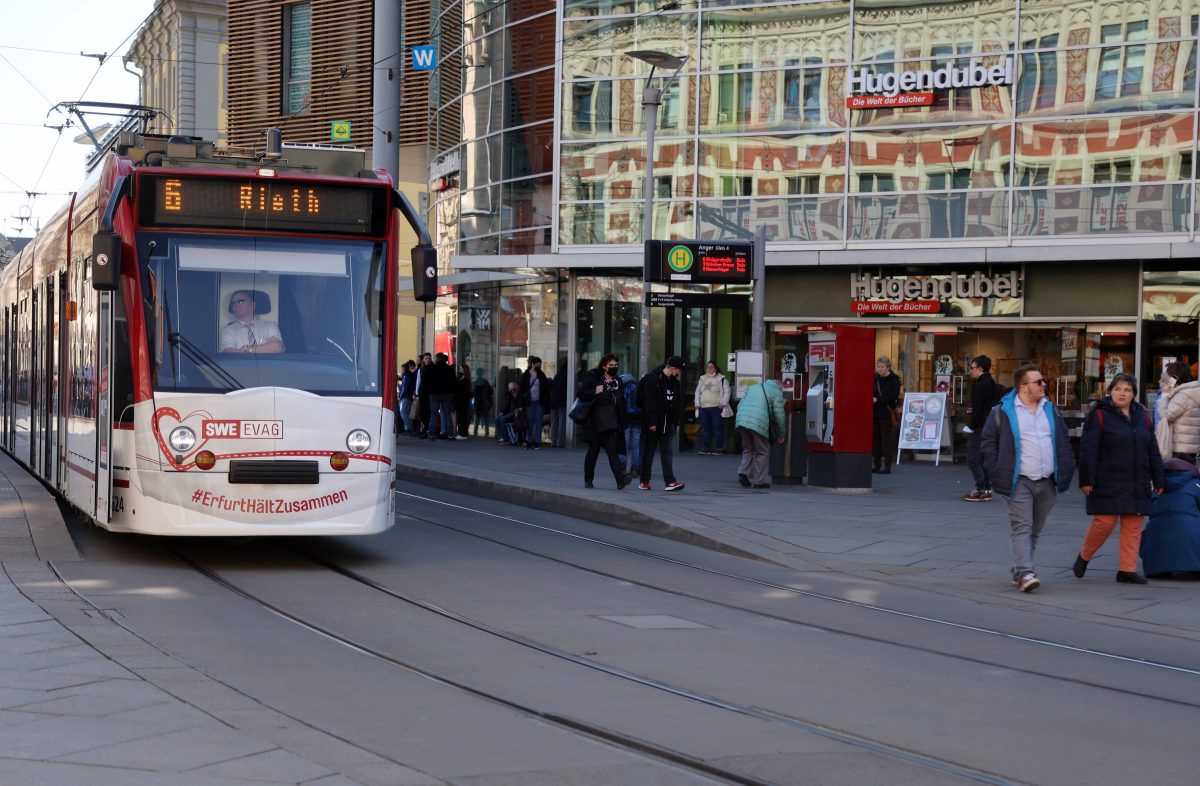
[(921, 418), (751, 369)]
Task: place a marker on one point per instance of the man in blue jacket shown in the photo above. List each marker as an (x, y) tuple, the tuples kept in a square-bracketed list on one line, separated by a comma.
[(1027, 454)]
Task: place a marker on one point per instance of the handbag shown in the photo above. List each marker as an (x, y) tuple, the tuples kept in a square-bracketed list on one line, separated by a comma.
[(893, 412), (580, 410)]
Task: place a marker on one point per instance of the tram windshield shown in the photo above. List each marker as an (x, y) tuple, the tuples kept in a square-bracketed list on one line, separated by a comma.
[(230, 313)]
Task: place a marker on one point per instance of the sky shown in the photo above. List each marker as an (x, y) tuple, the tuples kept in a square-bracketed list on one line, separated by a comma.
[(34, 158)]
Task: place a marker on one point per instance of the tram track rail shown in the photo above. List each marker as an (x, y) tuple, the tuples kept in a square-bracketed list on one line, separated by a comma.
[(1007, 636), (576, 725), (640, 747)]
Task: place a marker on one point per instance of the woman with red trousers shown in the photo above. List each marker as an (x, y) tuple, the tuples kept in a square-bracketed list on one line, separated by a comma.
[(1119, 468)]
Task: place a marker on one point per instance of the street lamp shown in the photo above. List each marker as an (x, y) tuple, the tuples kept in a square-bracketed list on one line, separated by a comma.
[(651, 100)]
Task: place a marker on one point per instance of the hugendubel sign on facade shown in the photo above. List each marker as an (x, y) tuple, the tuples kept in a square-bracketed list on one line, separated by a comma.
[(871, 294), (869, 90)]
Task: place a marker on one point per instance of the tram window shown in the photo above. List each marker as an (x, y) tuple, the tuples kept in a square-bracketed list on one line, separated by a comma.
[(318, 302), (122, 371)]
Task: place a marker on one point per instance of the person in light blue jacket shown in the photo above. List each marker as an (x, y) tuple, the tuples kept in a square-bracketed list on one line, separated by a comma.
[(1027, 455), (759, 422)]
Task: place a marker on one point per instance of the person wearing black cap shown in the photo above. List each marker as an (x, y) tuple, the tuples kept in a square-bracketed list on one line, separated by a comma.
[(658, 396)]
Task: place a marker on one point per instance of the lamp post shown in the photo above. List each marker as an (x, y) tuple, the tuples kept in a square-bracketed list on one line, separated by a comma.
[(651, 100)]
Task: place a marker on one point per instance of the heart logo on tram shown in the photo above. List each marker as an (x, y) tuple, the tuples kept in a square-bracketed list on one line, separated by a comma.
[(167, 419)]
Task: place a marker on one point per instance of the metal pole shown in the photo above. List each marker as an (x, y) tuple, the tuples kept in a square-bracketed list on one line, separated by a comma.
[(758, 325), (385, 89), (651, 97)]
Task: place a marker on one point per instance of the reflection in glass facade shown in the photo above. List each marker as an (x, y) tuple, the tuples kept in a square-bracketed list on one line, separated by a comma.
[(1091, 132), (492, 127)]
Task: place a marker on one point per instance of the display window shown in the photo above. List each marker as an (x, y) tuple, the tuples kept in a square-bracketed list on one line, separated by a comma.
[(1170, 322), (1077, 361)]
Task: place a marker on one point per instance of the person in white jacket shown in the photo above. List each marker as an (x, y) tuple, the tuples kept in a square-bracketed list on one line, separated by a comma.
[(1178, 410), (712, 406)]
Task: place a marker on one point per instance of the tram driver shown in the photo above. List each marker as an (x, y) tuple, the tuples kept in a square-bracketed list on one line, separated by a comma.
[(249, 332)]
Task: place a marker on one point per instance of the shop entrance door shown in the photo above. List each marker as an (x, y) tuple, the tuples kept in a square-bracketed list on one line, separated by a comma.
[(1076, 360)]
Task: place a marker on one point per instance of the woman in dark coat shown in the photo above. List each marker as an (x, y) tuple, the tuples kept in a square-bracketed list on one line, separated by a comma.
[(886, 397), (605, 424), (1171, 542), (1119, 464)]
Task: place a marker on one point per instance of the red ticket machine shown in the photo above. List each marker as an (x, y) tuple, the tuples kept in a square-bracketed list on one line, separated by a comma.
[(838, 407)]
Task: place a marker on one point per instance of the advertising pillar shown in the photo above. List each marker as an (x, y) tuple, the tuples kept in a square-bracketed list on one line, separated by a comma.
[(838, 412)]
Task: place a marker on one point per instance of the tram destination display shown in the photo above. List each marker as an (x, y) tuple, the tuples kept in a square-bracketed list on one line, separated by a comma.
[(205, 202), (699, 262)]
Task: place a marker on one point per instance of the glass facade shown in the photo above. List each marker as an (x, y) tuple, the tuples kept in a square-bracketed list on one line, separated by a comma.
[(1004, 120), (492, 127), (832, 123)]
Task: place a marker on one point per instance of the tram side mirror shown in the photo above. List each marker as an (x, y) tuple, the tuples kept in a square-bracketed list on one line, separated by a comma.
[(424, 273), (106, 261)]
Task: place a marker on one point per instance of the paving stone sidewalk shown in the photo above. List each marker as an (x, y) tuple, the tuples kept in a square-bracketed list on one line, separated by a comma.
[(83, 700), (913, 528)]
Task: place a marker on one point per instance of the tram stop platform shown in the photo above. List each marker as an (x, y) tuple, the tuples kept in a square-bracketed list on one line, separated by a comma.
[(913, 529)]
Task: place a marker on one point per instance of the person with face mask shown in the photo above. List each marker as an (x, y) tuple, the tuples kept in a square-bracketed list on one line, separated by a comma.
[(658, 396), (605, 420)]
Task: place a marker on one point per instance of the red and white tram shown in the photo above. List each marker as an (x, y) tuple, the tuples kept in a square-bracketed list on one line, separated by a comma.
[(199, 345)]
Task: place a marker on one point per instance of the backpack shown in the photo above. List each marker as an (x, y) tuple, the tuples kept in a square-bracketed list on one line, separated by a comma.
[(1001, 392), (640, 399), (633, 398), (1100, 416)]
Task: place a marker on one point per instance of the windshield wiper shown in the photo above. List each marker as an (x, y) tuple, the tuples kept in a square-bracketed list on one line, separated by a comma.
[(347, 354), (197, 356)]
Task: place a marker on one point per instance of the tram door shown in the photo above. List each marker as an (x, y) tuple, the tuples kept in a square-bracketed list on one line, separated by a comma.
[(62, 376), (6, 417), (50, 381), (35, 377), (104, 404)]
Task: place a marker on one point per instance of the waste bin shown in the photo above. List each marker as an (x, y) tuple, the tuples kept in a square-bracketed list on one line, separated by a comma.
[(789, 461)]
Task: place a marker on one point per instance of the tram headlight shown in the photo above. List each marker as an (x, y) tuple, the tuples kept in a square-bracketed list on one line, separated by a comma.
[(358, 441), (182, 439)]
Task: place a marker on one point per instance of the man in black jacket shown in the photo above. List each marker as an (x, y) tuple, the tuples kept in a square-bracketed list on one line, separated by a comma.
[(421, 391), (658, 396), (983, 398), (440, 380)]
